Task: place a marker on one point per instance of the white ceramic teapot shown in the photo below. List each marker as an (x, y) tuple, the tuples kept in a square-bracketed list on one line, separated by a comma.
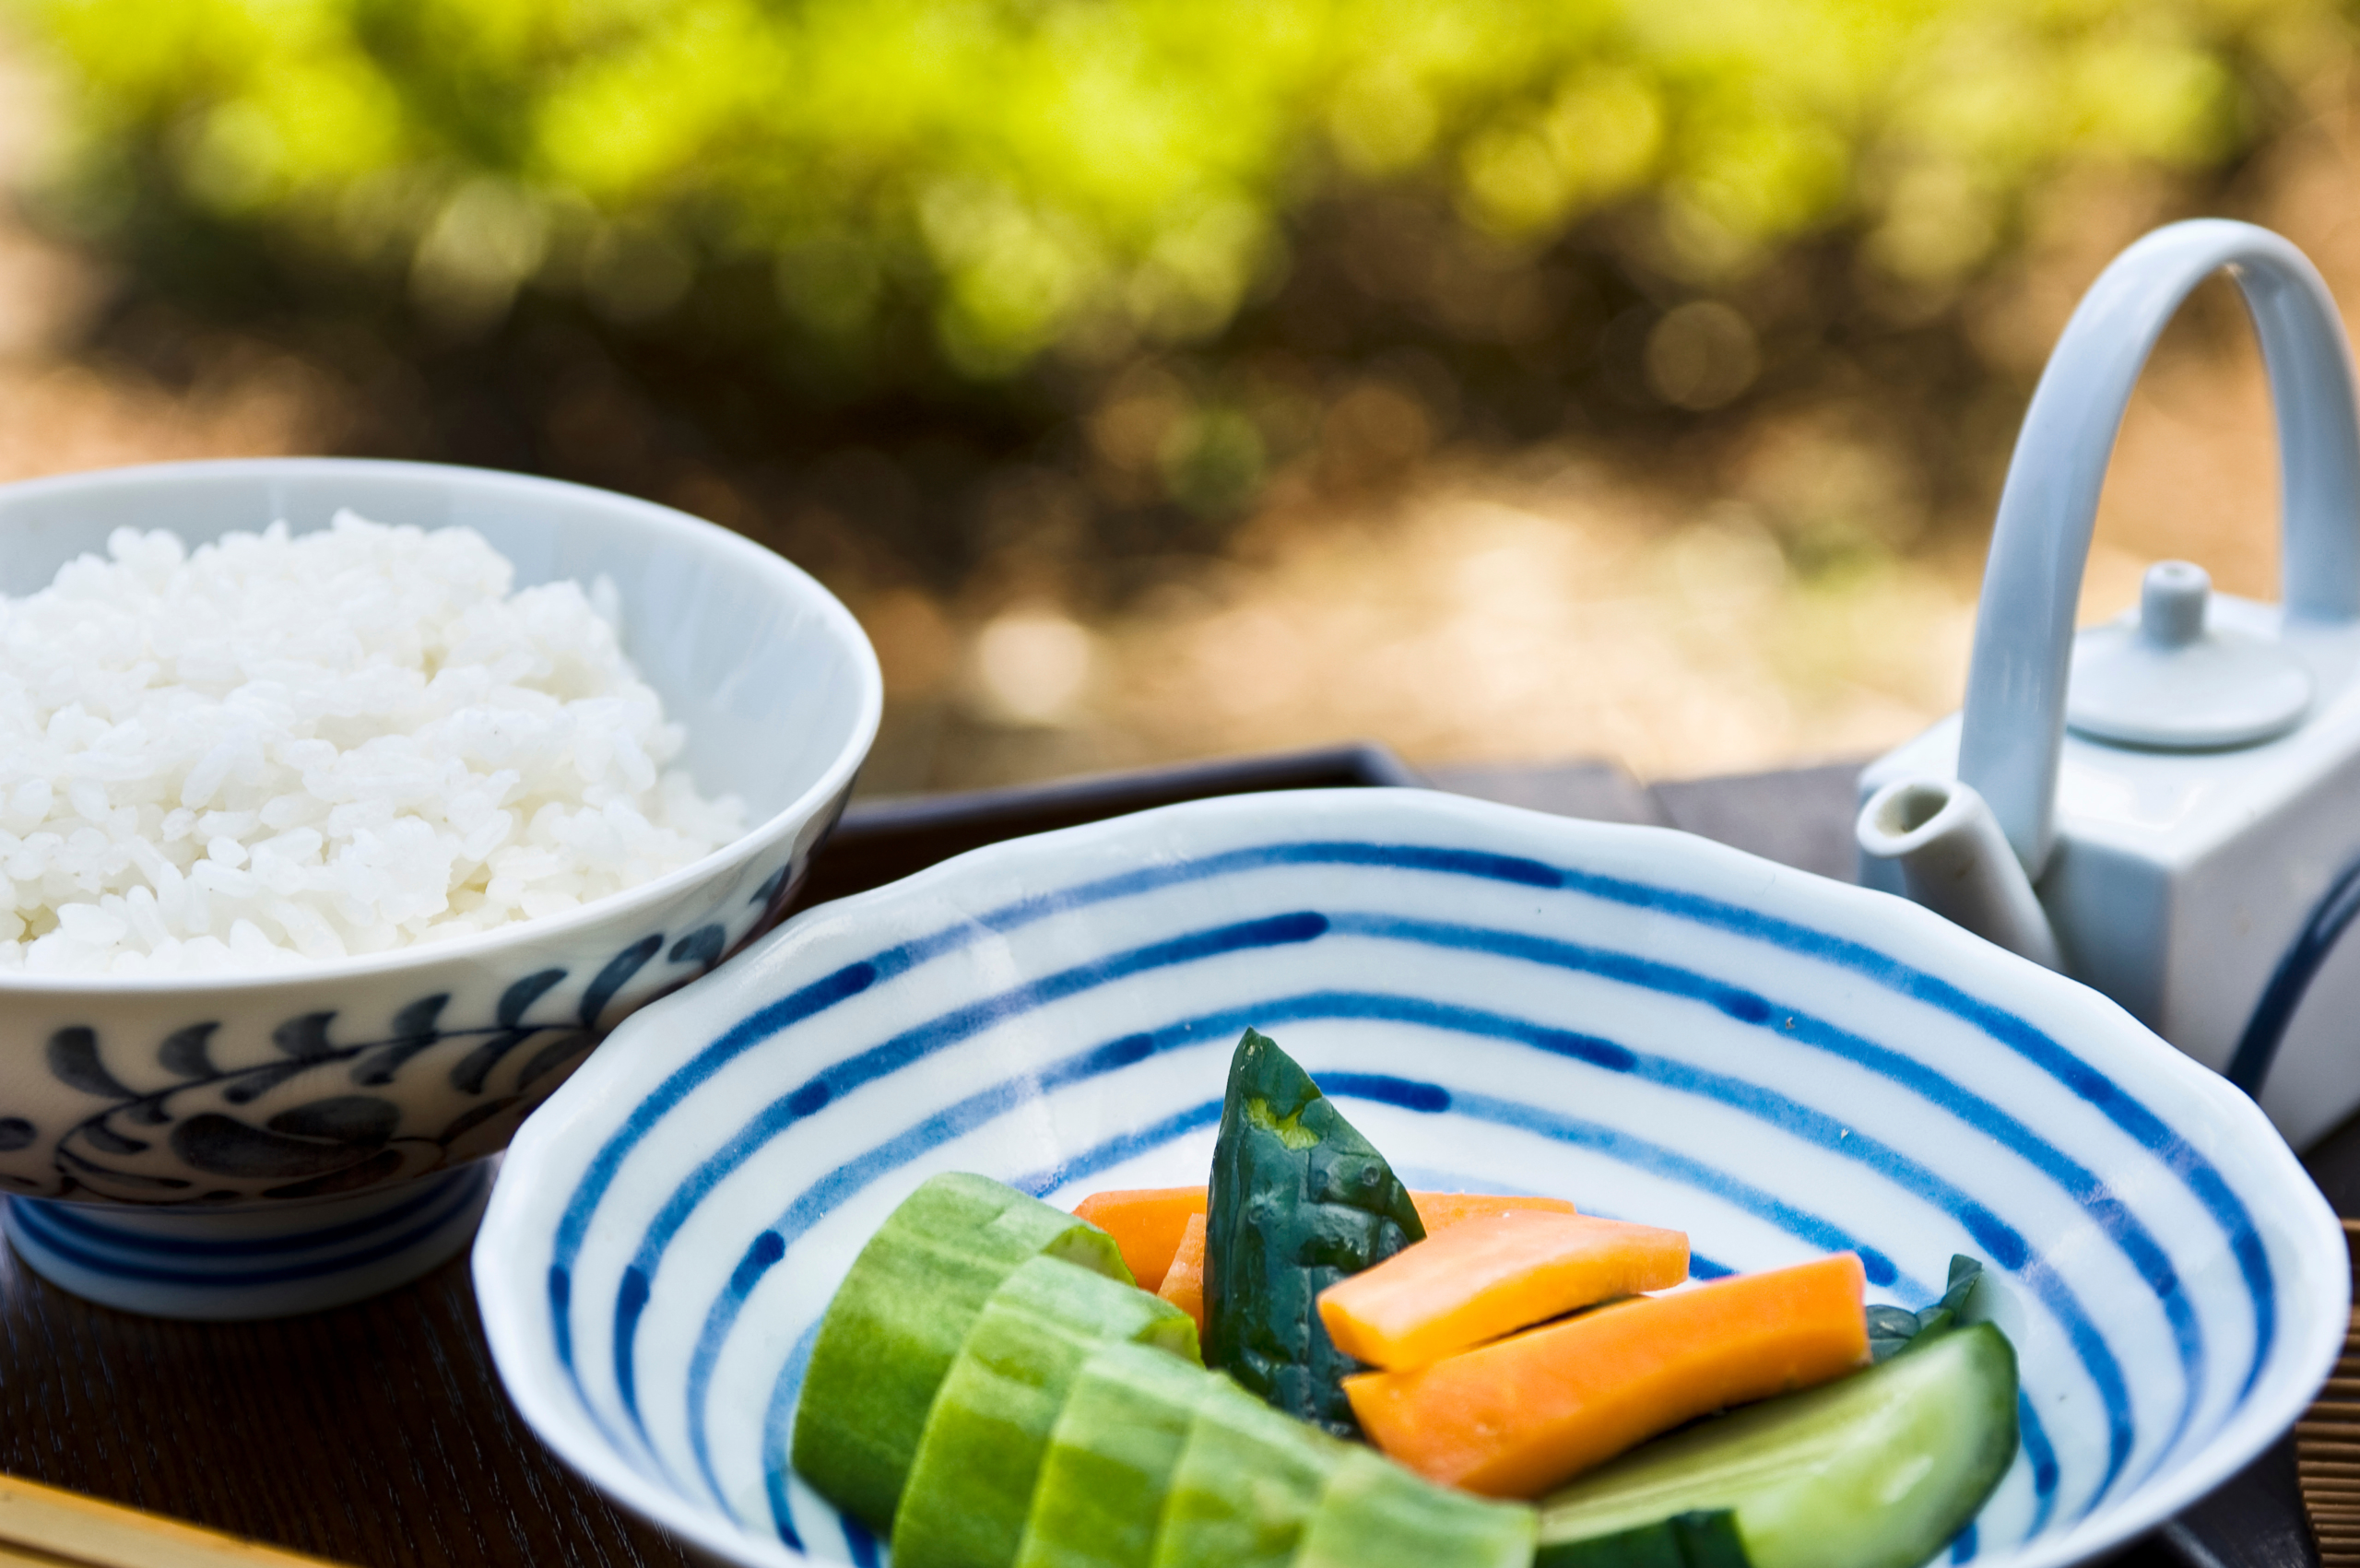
[(2166, 807)]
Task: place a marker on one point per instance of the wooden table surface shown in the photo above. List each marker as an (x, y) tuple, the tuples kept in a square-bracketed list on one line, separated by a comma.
[(378, 1434)]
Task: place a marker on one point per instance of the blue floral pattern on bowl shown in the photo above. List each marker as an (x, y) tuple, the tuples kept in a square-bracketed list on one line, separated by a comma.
[(207, 1133), (287, 1176)]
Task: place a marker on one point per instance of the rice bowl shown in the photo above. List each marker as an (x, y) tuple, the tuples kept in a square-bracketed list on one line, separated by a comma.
[(229, 1145)]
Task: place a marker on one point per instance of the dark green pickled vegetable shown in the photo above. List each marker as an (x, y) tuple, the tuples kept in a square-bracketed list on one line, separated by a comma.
[(1299, 1199), (1892, 1330)]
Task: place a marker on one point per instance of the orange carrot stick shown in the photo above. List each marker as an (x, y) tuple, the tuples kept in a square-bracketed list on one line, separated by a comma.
[(1518, 1417), (1145, 1222), (1441, 1210), (1491, 1276), (1184, 1282)]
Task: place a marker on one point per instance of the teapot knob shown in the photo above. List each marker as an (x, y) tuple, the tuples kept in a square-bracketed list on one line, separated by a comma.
[(2173, 597), (2172, 683)]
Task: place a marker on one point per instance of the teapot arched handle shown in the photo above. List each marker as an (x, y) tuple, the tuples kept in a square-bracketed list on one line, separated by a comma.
[(2014, 729)]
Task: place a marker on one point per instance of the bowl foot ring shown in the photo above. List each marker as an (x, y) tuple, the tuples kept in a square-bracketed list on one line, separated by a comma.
[(235, 1264)]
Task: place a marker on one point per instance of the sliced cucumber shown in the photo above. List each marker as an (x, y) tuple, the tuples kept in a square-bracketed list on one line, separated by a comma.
[(971, 1485), (1684, 1540), (899, 1319), (1373, 1513), (1878, 1470), (1710, 1540), (1111, 1458), (1249, 1481), (1646, 1546)]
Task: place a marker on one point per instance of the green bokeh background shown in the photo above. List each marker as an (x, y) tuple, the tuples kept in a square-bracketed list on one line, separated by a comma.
[(1010, 302), (1085, 177)]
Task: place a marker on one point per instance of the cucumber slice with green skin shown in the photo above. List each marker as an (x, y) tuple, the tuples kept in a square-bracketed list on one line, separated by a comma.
[(1710, 1540), (1877, 1470), (1685, 1541), (1648, 1546), (1376, 1514), (972, 1485), (1111, 1460), (1249, 1481), (1298, 1201), (898, 1321)]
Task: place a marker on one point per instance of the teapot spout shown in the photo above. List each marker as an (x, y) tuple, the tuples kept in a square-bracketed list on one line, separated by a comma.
[(1955, 860)]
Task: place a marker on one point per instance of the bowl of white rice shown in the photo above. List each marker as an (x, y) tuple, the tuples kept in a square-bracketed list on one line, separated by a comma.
[(343, 807)]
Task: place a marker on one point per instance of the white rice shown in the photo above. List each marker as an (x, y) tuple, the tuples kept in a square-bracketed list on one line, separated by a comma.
[(280, 749)]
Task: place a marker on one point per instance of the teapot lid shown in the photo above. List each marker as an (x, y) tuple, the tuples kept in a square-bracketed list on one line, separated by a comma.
[(2166, 680)]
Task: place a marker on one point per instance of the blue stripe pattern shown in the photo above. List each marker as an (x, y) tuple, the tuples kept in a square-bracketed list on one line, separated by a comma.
[(231, 1264), (843, 1067), (2298, 967), (81, 1224)]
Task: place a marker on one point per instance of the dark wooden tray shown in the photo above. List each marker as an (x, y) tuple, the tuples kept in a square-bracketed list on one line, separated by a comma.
[(378, 1434)]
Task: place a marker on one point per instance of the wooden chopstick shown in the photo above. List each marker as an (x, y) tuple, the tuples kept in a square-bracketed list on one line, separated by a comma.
[(2327, 1444), (41, 1527)]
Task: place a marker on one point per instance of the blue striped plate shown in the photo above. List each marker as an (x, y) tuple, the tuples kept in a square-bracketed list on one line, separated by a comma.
[(1660, 1028)]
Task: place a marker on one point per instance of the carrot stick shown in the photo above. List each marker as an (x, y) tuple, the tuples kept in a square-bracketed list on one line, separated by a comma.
[(1491, 1276), (1518, 1417), (1145, 1222), (1441, 1210), (1184, 1282)]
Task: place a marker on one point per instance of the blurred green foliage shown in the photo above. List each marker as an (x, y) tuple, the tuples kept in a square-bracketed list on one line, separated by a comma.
[(1087, 179), (1014, 299)]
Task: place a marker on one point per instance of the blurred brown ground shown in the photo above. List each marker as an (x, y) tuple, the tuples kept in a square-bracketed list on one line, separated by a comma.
[(1541, 604)]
